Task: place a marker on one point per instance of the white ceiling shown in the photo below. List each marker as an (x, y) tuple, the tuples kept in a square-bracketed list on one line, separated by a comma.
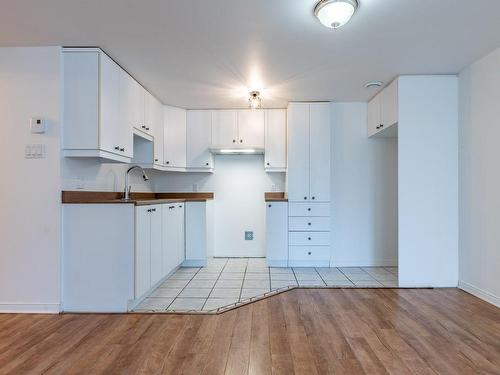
[(206, 53)]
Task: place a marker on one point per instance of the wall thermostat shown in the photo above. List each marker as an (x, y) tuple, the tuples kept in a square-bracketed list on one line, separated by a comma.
[(38, 125)]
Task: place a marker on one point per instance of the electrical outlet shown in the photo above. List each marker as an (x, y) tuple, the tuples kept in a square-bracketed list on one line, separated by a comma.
[(248, 235)]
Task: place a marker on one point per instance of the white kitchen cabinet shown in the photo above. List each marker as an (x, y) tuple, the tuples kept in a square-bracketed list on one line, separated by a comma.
[(277, 234), (242, 128), (174, 138), (92, 97), (319, 152), (156, 244), (198, 141), (169, 236), (180, 233), (298, 151), (173, 236), (224, 128), (309, 152), (275, 140), (374, 115), (251, 128), (389, 105), (154, 119), (148, 248), (142, 250), (133, 105), (383, 112)]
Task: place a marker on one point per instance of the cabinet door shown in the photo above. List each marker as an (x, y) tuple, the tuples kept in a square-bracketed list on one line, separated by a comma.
[(374, 119), (142, 250), (156, 119), (149, 107), (128, 101), (389, 105), (275, 142), (277, 234), (199, 139), (251, 125), (137, 105), (298, 152), (175, 137), (169, 242), (156, 244), (181, 242), (224, 128), (110, 134), (320, 152)]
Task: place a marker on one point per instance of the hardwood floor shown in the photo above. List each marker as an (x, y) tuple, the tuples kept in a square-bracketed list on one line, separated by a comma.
[(323, 331)]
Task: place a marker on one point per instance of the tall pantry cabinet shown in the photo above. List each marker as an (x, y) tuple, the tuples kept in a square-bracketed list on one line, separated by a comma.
[(309, 154)]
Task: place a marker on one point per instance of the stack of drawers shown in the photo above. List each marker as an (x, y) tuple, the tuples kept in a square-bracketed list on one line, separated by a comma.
[(309, 234)]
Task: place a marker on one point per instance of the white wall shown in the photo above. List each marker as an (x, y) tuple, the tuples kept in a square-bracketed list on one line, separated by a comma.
[(97, 175), (239, 183), (30, 188), (364, 191), (428, 181), (480, 178)]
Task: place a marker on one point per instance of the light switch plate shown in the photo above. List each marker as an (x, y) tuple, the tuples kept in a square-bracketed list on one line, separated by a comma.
[(34, 151)]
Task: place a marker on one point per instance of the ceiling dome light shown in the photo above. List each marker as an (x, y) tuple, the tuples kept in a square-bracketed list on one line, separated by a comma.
[(335, 13), (254, 101)]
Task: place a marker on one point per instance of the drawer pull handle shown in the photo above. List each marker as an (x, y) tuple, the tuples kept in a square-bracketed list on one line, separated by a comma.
[(309, 209), (309, 238), (308, 253), (309, 224)]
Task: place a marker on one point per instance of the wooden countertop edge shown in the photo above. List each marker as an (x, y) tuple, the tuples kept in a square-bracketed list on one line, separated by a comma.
[(110, 197), (275, 196)]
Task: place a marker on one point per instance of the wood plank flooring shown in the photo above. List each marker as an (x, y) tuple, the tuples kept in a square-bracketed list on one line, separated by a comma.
[(320, 331)]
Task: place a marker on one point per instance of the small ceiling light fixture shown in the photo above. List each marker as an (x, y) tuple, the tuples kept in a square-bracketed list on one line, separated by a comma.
[(371, 84), (254, 101), (335, 13)]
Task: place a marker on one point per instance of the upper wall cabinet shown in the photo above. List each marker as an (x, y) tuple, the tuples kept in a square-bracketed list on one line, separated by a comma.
[(154, 122), (251, 128), (308, 152), (238, 128), (133, 103), (225, 128), (275, 140), (92, 126), (383, 112), (174, 138), (199, 139)]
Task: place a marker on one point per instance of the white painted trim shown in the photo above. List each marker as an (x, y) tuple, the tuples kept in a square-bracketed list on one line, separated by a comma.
[(277, 263), (308, 263), (195, 263), (480, 293), (365, 263), (30, 308)]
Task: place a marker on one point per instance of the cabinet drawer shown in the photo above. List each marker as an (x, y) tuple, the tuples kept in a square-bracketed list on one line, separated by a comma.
[(309, 253), (309, 238), (309, 224), (309, 209)]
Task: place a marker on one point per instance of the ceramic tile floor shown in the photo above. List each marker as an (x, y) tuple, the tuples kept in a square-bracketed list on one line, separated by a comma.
[(228, 281)]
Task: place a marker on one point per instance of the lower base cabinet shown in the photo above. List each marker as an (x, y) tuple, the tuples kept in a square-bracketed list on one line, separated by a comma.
[(172, 236), (277, 234)]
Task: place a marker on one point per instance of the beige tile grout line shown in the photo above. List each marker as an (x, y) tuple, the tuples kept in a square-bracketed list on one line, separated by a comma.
[(211, 290)]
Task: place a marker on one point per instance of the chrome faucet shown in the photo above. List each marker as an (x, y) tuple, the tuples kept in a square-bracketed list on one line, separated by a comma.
[(127, 185)]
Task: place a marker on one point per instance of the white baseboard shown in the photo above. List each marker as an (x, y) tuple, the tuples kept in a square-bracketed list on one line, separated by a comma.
[(195, 263), (365, 263), (277, 263), (30, 308), (480, 293)]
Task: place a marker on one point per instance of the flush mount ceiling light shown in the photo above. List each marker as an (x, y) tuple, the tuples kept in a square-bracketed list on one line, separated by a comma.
[(335, 13), (371, 84), (254, 101)]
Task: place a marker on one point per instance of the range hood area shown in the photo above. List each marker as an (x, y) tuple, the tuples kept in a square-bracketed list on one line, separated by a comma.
[(237, 150)]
